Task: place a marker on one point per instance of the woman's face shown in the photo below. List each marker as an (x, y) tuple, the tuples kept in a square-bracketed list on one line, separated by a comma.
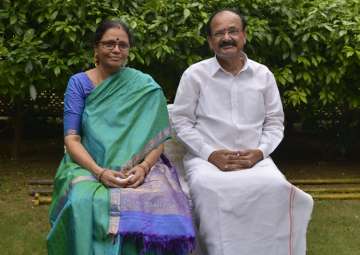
[(113, 49)]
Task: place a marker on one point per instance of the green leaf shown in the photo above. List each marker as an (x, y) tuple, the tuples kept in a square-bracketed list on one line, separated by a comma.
[(54, 15), (349, 54), (29, 34), (303, 98), (4, 14), (186, 13), (131, 56), (28, 67), (13, 20), (115, 4), (314, 61), (40, 19), (289, 42), (342, 33), (281, 80), (133, 24), (72, 37), (328, 27), (315, 37), (305, 37), (307, 77), (57, 70), (358, 54)]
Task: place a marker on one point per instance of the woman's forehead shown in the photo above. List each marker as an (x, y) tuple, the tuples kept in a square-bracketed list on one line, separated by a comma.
[(115, 33)]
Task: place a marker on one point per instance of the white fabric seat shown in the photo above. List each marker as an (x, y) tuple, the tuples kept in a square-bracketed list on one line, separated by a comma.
[(175, 151)]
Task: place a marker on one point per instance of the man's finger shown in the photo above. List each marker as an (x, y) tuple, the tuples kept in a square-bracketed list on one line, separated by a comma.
[(241, 164), (233, 157), (232, 167)]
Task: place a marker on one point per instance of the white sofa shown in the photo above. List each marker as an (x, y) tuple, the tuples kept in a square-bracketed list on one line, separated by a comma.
[(175, 151)]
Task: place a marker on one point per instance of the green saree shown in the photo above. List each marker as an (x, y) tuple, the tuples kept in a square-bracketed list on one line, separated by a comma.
[(124, 118)]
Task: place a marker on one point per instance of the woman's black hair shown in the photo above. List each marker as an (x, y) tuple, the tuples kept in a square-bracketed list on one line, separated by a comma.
[(208, 24), (108, 24)]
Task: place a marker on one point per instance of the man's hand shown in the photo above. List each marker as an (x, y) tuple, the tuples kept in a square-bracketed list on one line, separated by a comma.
[(227, 160), (250, 157)]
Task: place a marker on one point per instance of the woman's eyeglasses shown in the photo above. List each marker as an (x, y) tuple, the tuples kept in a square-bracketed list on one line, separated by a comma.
[(110, 45)]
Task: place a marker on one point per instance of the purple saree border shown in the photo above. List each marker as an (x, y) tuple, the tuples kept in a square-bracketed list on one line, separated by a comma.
[(176, 225), (174, 233)]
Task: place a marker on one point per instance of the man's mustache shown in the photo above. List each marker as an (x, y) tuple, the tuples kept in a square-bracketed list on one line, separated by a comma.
[(227, 43)]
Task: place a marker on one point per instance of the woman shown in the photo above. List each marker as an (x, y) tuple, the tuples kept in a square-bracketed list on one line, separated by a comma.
[(115, 193)]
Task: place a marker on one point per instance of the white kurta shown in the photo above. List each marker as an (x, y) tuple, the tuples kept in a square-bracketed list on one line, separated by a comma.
[(253, 211)]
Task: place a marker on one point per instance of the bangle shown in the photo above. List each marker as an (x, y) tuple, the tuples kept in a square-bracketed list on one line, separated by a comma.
[(148, 164), (101, 174), (144, 168)]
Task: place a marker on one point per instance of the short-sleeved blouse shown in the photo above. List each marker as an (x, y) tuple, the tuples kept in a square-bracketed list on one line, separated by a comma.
[(78, 88)]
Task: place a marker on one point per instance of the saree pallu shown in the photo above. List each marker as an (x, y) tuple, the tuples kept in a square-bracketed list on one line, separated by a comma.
[(124, 118)]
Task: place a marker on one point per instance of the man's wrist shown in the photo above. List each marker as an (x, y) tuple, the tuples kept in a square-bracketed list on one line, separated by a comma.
[(262, 152)]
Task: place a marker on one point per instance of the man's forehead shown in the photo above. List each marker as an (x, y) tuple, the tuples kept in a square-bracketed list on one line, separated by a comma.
[(226, 18)]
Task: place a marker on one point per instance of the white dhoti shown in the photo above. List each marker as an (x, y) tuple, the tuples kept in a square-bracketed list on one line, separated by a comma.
[(248, 212)]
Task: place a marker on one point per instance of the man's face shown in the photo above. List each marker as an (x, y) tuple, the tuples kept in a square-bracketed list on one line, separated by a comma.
[(227, 37)]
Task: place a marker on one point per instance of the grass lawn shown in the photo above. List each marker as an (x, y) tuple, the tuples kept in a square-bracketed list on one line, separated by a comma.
[(334, 229)]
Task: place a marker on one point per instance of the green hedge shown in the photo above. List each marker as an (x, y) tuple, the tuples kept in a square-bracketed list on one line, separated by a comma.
[(313, 47)]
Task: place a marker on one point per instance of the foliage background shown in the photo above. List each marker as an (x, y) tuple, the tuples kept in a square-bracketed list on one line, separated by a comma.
[(313, 48)]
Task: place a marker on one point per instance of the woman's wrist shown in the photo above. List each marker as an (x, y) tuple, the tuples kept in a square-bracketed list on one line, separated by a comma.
[(100, 174), (146, 169), (146, 164)]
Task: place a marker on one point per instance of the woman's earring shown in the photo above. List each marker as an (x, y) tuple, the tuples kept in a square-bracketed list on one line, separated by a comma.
[(96, 60)]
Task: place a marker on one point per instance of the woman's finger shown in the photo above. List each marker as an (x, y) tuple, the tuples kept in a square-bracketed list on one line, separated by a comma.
[(137, 183), (114, 181), (137, 178), (121, 181), (120, 174)]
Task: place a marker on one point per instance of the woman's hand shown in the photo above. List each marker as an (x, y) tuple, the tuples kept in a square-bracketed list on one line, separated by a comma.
[(114, 179), (137, 176)]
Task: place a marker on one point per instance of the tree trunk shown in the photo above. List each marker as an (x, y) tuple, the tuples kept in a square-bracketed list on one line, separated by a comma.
[(18, 130)]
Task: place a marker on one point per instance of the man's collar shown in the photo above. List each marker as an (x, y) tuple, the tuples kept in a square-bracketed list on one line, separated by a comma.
[(216, 67)]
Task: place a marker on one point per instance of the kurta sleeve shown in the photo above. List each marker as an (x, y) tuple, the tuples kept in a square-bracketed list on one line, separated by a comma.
[(74, 102), (273, 127), (183, 115)]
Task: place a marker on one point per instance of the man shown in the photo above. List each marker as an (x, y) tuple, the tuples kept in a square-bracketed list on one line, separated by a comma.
[(228, 113)]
